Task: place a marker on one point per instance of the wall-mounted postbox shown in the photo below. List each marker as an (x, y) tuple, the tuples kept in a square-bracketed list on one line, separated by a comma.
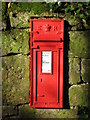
[(46, 63)]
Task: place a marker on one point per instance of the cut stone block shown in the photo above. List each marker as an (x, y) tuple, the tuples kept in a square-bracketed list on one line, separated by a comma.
[(26, 112), (78, 95), (0, 95), (9, 110), (74, 71), (68, 113), (79, 44), (15, 41), (85, 70), (46, 113), (15, 80), (20, 19), (0, 112)]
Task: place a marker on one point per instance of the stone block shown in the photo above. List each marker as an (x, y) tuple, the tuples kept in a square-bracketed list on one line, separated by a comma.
[(46, 113), (20, 19), (9, 111), (0, 112), (15, 79), (0, 94), (67, 113), (78, 95), (15, 41), (3, 26), (0, 77), (26, 112), (0, 69), (4, 16), (85, 70), (76, 23), (79, 45), (74, 71)]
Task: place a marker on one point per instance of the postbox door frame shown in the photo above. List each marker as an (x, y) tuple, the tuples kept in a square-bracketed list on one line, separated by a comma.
[(33, 46), (59, 102)]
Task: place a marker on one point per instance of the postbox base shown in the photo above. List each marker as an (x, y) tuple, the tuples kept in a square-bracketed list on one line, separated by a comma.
[(46, 105)]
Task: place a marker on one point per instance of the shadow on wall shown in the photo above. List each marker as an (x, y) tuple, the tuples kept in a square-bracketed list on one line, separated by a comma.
[(66, 67)]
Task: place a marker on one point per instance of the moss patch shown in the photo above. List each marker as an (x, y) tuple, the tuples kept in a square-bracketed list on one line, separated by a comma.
[(78, 95), (26, 112), (46, 113), (74, 70), (9, 110), (85, 70), (20, 19), (16, 41), (79, 44), (15, 76), (0, 95), (37, 7), (67, 113), (4, 15)]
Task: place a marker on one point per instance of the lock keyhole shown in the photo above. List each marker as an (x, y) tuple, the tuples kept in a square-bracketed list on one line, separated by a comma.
[(41, 79)]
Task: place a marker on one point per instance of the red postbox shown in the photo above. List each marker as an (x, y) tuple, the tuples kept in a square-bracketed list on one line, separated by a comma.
[(46, 63)]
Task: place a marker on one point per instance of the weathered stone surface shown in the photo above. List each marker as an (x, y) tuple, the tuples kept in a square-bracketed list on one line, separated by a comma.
[(0, 20), (0, 68), (0, 77), (16, 41), (75, 23), (0, 112), (0, 95), (46, 113), (78, 95), (15, 79), (85, 70), (74, 70), (4, 16), (20, 19), (9, 110), (68, 113), (26, 112), (0, 73), (79, 44), (3, 26)]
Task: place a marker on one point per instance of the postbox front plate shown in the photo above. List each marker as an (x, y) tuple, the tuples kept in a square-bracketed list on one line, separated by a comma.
[(47, 30), (46, 60)]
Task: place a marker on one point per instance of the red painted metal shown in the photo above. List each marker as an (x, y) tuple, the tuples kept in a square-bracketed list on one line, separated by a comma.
[(46, 63)]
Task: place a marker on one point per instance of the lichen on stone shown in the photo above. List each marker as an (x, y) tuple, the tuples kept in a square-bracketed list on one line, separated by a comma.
[(78, 95), (15, 79), (15, 41), (74, 71), (79, 44)]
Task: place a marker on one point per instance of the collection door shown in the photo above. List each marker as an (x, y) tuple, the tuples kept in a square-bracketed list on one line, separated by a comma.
[(46, 77)]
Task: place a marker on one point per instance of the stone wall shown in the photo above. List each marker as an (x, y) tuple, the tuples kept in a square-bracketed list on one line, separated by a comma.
[(16, 65)]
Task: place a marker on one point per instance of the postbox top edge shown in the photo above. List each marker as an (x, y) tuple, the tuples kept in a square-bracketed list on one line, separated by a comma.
[(59, 20)]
